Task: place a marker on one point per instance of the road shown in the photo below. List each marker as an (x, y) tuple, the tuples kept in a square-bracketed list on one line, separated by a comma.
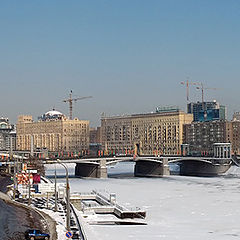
[(15, 220)]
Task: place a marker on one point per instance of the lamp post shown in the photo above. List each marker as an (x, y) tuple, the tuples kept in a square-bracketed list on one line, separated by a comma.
[(55, 188), (67, 195), (29, 188), (14, 169)]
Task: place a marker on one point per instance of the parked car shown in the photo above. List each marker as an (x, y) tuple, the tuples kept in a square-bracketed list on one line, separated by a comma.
[(33, 234)]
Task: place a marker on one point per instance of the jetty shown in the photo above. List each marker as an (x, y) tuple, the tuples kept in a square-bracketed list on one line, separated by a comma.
[(98, 203)]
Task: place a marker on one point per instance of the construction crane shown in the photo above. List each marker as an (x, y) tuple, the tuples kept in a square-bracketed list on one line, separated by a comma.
[(70, 100), (203, 106), (187, 83), (202, 89)]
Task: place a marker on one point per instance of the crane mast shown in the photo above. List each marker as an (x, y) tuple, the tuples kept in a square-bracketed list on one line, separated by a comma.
[(187, 83), (70, 101), (202, 90)]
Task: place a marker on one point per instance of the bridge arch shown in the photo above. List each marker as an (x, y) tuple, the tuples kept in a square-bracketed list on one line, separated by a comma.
[(202, 167), (179, 160)]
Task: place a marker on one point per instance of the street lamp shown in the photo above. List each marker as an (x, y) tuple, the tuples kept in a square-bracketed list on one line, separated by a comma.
[(55, 189), (67, 196)]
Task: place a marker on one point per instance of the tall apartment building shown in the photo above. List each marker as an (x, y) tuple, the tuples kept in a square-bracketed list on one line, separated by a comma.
[(207, 111), (202, 135), (95, 142), (53, 131), (7, 135), (149, 133), (236, 116), (235, 134)]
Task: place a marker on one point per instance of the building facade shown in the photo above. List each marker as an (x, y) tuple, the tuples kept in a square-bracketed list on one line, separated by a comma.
[(95, 143), (7, 135), (235, 134), (236, 116), (207, 111), (95, 135), (201, 136), (151, 133), (53, 131)]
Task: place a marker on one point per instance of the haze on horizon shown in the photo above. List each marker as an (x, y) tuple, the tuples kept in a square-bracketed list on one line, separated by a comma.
[(129, 55)]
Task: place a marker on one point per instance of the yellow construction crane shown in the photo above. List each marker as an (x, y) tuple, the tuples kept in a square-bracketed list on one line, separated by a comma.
[(187, 83), (70, 101)]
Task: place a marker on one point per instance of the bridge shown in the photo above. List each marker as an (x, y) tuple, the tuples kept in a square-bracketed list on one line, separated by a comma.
[(150, 166), (146, 166)]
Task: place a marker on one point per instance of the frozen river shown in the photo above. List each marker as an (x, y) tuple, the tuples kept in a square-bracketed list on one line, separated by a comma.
[(178, 207)]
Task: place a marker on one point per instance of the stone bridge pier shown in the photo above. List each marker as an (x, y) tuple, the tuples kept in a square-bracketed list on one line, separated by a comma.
[(143, 168), (147, 168), (91, 169)]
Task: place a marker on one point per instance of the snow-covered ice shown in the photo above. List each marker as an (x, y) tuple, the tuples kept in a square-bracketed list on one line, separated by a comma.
[(178, 207)]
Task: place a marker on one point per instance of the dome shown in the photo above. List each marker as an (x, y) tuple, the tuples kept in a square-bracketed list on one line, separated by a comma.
[(53, 113)]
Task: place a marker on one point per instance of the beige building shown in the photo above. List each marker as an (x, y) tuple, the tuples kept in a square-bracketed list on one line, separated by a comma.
[(152, 133), (235, 137), (53, 131)]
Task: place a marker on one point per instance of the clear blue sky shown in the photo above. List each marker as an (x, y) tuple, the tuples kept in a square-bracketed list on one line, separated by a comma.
[(130, 55)]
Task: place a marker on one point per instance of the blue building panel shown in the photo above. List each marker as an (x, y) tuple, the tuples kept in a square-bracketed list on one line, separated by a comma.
[(209, 115), (207, 111)]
